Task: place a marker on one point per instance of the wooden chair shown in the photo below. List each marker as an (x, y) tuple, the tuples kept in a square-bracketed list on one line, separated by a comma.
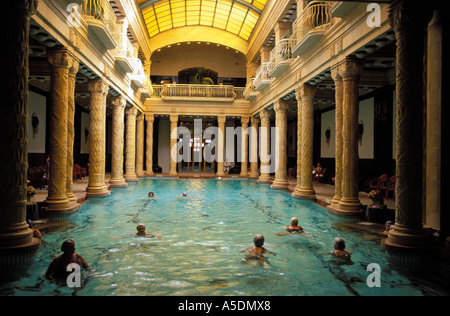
[(76, 172), (391, 187)]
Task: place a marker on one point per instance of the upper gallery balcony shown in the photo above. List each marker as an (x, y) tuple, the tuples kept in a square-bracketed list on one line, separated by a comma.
[(311, 25), (123, 53), (250, 93), (138, 76), (281, 56), (101, 21), (192, 92), (263, 78)]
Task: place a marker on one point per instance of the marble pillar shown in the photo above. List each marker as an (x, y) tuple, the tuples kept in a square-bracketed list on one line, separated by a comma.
[(281, 179), (17, 245), (221, 119), (297, 190), (350, 71), (118, 131), (97, 139), (130, 146), (173, 144), (265, 148), (307, 94), (149, 119), (338, 141), (60, 62), (73, 70), (140, 146), (244, 147), (408, 240), (254, 148)]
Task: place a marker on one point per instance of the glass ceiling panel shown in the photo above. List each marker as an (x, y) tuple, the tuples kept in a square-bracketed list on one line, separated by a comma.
[(235, 16)]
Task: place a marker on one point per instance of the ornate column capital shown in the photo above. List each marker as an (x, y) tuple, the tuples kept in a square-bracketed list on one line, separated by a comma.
[(140, 118), (245, 120), (404, 13), (131, 111), (119, 102), (173, 118), (98, 85), (335, 73), (265, 114), (280, 106), (74, 66), (149, 118), (307, 91), (221, 119), (26, 7), (351, 68), (59, 58), (255, 120)]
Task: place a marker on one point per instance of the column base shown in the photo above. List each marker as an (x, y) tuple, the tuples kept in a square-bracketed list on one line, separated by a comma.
[(149, 174), (97, 191), (408, 248), (18, 256), (54, 212), (140, 174), (339, 210), (265, 179), (131, 177), (117, 183), (304, 194), (280, 185)]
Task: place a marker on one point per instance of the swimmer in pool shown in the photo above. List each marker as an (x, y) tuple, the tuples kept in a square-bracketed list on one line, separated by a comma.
[(293, 228), (389, 225), (339, 246), (257, 251), (142, 233), (151, 195), (58, 266)]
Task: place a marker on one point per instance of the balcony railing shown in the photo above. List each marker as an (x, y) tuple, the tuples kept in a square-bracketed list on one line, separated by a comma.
[(263, 79), (147, 90), (198, 92), (312, 24), (239, 93), (157, 89), (138, 76), (101, 21), (124, 52), (250, 93), (281, 56)]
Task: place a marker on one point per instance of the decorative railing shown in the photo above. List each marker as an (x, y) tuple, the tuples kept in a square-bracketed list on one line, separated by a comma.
[(283, 51), (249, 88), (138, 76), (124, 47), (263, 74), (239, 93), (100, 15), (157, 89), (315, 17), (198, 92)]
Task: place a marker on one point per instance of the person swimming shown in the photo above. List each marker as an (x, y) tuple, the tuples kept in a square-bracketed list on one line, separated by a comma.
[(257, 251), (293, 228), (339, 246), (58, 267), (142, 233), (151, 195)]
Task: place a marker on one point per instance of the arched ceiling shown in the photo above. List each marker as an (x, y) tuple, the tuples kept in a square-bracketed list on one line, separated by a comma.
[(237, 17)]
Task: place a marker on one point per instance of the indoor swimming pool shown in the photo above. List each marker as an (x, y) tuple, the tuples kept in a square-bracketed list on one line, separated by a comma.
[(202, 236)]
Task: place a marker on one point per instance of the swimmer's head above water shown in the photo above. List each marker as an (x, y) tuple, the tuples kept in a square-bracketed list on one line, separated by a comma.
[(184, 193)]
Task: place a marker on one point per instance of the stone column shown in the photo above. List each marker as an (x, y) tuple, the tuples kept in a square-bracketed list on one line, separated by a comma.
[(264, 140), (434, 123), (221, 119), (60, 62), (254, 148), (140, 146), (97, 136), (130, 146), (338, 132), (297, 190), (307, 94), (281, 180), (71, 130), (244, 149), (118, 130), (408, 239), (149, 118), (173, 144), (350, 70), (17, 246)]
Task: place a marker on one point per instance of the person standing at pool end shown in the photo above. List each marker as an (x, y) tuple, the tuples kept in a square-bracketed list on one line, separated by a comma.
[(339, 246), (257, 251), (142, 233), (58, 267), (293, 228)]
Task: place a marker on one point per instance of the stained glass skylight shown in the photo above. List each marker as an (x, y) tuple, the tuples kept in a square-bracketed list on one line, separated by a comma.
[(238, 17)]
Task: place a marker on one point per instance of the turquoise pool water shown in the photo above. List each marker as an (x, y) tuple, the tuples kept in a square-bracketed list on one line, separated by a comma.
[(202, 238)]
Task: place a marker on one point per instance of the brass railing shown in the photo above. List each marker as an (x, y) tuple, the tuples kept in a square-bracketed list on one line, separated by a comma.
[(263, 73), (283, 50), (197, 91), (315, 17)]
